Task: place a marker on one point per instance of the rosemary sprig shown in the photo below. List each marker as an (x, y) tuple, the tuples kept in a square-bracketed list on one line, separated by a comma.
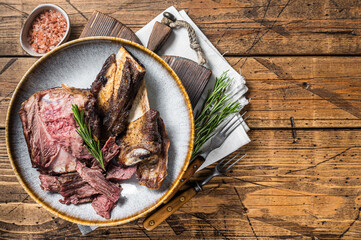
[(85, 133), (217, 107)]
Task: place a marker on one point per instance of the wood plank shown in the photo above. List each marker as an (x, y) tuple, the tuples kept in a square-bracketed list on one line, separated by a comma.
[(193, 76), (250, 27), (281, 189), (100, 24), (318, 92), (315, 91)]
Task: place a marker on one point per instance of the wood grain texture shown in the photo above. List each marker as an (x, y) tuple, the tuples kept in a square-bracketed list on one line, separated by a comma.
[(168, 209), (315, 91), (299, 181), (194, 77), (159, 35), (318, 92), (313, 192), (249, 27), (100, 24)]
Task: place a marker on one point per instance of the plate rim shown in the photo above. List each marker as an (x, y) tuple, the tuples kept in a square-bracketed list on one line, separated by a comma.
[(108, 222)]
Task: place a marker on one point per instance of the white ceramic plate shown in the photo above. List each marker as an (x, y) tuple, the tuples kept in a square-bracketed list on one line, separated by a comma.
[(77, 63)]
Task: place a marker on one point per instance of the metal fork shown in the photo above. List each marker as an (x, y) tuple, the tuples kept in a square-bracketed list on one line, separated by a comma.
[(216, 141), (218, 170), (163, 213)]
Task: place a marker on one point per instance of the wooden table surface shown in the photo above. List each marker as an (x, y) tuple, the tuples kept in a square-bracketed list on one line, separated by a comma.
[(302, 61)]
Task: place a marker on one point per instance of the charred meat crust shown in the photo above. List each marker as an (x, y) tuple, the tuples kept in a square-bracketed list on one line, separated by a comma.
[(152, 173), (101, 78), (91, 115), (142, 140), (135, 58), (115, 89), (116, 119)]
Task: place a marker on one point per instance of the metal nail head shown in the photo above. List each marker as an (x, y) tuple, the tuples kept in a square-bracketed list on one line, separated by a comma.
[(169, 209), (151, 222), (169, 16)]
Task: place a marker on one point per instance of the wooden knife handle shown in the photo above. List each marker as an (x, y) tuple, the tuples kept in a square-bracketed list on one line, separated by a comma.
[(192, 168), (164, 212)]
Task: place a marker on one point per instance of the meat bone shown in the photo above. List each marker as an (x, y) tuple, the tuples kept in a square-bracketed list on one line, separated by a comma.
[(193, 76)]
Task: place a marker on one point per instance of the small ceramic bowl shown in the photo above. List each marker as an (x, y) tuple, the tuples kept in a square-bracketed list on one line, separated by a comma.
[(24, 32)]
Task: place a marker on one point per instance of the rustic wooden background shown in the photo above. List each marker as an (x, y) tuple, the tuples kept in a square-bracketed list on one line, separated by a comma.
[(302, 60)]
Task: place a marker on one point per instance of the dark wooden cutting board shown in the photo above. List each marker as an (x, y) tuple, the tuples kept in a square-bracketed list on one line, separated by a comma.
[(100, 24), (193, 76)]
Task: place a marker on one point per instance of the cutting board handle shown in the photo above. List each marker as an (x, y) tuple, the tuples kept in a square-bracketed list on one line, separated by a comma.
[(158, 36)]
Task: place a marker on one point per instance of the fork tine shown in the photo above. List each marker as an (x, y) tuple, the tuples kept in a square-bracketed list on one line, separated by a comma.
[(235, 125), (230, 122), (220, 162), (236, 121), (236, 162), (224, 165), (226, 126)]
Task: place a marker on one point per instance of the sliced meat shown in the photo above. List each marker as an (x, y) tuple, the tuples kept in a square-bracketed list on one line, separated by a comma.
[(71, 186), (103, 206), (50, 130), (110, 193), (49, 183), (81, 194), (115, 88), (97, 180), (116, 173), (151, 173), (110, 151), (54, 183), (80, 200), (142, 140)]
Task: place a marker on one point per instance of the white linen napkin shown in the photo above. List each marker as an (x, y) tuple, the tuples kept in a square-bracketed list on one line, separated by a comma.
[(178, 45)]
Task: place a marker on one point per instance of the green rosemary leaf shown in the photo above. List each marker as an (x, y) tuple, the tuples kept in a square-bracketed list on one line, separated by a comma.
[(85, 133), (215, 109)]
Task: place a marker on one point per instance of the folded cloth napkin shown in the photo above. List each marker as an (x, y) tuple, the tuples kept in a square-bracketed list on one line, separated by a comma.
[(178, 45)]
